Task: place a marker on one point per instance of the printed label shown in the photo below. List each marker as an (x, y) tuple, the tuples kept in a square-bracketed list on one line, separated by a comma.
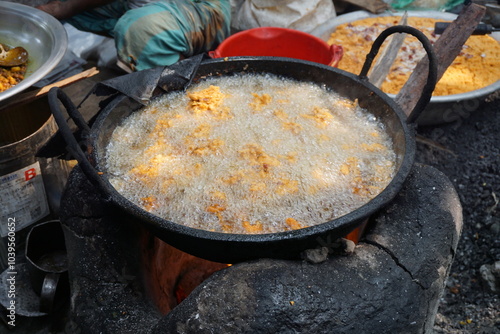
[(23, 196)]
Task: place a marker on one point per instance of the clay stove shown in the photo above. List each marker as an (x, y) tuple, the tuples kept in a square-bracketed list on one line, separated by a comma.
[(124, 280)]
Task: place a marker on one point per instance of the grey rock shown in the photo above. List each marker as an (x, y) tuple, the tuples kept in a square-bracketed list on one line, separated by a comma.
[(490, 276), (316, 255)]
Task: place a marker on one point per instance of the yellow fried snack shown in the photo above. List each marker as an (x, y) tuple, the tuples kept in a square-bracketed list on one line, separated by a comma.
[(11, 76), (253, 154)]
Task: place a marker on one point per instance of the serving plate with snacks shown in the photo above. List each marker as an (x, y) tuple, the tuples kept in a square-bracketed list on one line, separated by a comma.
[(473, 75), (42, 37)]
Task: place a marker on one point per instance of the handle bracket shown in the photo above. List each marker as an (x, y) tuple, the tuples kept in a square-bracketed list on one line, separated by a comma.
[(430, 84)]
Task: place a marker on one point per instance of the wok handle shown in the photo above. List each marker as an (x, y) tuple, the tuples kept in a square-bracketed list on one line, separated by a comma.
[(73, 146), (433, 65)]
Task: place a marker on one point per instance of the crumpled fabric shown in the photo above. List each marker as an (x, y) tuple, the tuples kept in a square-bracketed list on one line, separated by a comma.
[(159, 33), (100, 20), (293, 14)]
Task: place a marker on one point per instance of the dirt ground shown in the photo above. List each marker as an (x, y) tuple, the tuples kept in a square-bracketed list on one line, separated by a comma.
[(468, 152)]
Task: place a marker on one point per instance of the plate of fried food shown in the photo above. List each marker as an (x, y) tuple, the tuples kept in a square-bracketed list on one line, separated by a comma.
[(471, 78), (31, 45)]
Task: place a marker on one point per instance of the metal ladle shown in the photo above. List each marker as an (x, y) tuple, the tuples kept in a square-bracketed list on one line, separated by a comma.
[(12, 57)]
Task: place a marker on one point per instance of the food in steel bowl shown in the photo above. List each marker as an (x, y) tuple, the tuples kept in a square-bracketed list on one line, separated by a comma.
[(250, 154), (476, 67), (13, 64), (43, 36)]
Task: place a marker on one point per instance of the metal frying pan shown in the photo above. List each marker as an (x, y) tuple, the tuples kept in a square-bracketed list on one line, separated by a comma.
[(231, 248)]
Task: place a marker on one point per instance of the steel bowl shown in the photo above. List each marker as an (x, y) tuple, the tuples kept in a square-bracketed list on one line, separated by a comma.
[(39, 33), (441, 109)]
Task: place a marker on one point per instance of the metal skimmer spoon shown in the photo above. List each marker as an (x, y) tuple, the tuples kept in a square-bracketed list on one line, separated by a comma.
[(12, 57)]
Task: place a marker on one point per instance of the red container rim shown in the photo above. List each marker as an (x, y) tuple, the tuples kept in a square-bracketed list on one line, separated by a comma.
[(279, 42)]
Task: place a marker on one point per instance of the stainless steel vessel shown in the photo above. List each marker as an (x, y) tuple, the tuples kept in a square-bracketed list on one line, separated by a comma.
[(39, 33)]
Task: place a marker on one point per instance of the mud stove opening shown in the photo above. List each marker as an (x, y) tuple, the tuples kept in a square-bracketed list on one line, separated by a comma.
[(125, 280)]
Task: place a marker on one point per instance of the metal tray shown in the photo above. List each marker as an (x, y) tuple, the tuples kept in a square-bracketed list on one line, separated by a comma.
[(441, 109), (39, 33)]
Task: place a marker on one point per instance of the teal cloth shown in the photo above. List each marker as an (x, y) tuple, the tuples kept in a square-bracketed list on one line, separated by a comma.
[(410, 5), (159, 33), (100, 20)]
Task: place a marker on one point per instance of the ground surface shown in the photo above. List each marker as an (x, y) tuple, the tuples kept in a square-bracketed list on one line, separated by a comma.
[(470, 156)]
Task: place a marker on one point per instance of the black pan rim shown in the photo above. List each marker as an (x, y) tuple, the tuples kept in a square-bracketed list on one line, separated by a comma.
[(349, 221)]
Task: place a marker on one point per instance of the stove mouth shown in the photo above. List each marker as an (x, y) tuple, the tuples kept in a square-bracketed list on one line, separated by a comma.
[(170, 274)]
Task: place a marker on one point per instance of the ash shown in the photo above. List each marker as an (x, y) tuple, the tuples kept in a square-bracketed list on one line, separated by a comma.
[(468, 152)]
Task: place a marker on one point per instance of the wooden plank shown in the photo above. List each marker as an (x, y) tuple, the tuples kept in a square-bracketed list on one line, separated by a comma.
[(33, 95), (388, 56), (447, 48)]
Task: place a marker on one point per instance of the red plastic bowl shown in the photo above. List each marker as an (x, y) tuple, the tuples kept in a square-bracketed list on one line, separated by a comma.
[(279, 42)]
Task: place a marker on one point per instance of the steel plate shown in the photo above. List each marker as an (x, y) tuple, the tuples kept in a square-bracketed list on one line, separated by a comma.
[(39, 33), (441, 109)]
